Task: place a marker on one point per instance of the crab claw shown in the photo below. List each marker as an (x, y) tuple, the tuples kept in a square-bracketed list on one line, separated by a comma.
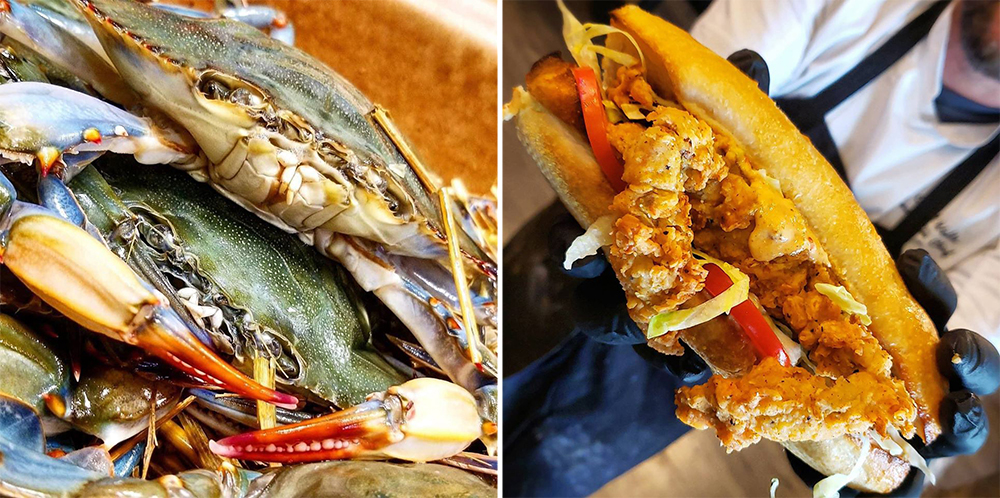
[(74, 273), (422, 420), (52, 125)]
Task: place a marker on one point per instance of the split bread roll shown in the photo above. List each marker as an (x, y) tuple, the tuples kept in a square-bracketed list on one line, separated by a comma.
[(710, 88)]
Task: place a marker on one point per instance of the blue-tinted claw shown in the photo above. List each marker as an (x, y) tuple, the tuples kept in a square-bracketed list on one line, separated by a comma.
[(20, 425), (126, 463), (53, 194), (264, 18), (24, 469), (65, 16), (38, 32), (46, 122), (240, 410)]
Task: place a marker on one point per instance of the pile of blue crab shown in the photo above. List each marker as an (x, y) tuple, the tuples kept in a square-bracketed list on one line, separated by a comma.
[(224, 273)]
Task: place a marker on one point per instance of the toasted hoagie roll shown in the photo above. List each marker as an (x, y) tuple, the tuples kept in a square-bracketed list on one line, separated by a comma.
[(718, 180)]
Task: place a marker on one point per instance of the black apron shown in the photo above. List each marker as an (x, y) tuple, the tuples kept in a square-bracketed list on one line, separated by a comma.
[(809, 115)]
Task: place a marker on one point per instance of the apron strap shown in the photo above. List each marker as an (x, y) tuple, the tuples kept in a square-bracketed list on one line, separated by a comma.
[(946, 190), (876, 63), (808, 113)]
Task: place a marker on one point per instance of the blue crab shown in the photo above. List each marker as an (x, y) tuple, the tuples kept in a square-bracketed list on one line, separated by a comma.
[(286, 138), (277, 132)]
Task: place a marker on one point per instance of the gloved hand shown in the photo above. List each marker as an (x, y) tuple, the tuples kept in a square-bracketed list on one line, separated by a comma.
[(599, 307), (969, 362)]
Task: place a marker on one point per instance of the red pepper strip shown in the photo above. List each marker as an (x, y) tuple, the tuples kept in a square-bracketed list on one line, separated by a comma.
[(748, 316), (595, 119)]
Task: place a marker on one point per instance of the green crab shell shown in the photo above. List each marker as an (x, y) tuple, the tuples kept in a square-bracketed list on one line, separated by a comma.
[(288, 289), (370, 479), (354, 182), (29, 368), (114, 404)]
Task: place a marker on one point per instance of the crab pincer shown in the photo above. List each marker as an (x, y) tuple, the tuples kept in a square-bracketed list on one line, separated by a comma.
[(77, 275), (421, 420)]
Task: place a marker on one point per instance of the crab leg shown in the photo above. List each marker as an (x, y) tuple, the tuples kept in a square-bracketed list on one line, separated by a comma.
[(421, 420), (374, 276), (262, 17), (76, 126), (76, 274), (24, 469), (28, 27)]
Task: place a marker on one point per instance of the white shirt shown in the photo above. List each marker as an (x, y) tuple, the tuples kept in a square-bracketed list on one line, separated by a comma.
[(892, 145)]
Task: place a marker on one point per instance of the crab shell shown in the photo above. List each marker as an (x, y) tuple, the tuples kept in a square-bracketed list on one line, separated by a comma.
[(285, 136)]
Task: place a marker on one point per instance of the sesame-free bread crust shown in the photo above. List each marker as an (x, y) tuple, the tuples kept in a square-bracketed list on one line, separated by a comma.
[(565, 159), (712, 89)]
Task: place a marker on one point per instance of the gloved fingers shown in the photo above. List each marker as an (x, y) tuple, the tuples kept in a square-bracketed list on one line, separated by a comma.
[(564, 231), (928, 284), (811, 476), (964, 426), (969, 361), (689, 367), (599, 311), (752, 65)]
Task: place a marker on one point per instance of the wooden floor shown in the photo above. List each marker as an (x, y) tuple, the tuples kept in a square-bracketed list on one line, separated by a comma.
[(695, 465)]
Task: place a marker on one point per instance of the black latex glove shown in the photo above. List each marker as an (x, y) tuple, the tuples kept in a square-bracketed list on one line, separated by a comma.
[(969, 362), (752, 65), (599, 307)]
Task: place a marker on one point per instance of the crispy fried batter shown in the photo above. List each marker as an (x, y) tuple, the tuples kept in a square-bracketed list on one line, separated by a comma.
[(632, 88), (551, 82), (786, 287), (790, 404), (652, 248), (840, 347)]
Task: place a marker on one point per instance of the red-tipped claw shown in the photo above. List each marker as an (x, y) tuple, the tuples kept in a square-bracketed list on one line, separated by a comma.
[(74, 273), (421, 420), (165, 335)]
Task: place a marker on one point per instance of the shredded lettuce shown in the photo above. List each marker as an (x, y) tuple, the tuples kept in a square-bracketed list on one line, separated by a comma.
[(598, 235), (830, 486), (896, 446), (579, 41), (723, 303), (633, 112), (845, 300), (792, 348), (890, 446), (909, 453), (510, 109), (615, 115)]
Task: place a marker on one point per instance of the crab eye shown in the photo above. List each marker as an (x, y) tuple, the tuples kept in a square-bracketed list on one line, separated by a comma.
[(214, 89), (218, 86)]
